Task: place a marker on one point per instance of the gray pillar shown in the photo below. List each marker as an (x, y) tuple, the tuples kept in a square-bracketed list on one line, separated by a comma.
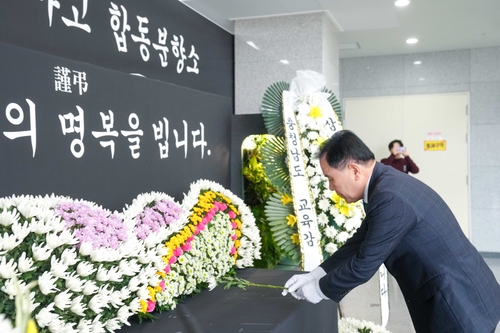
[(306, 41)]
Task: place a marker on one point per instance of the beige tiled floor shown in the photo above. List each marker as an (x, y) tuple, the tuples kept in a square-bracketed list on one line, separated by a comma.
[(363, 302)]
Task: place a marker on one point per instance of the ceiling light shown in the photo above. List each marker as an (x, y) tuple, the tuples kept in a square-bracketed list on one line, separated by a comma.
[(402, 3), (286, 62), (411, 41), (421, 79), (418, 62), (252, 44)]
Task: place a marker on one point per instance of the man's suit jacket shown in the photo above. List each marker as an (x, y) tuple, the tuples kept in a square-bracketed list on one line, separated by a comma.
[(446, 283)]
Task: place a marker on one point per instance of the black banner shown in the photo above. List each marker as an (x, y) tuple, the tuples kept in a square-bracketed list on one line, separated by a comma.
[(160, 39)]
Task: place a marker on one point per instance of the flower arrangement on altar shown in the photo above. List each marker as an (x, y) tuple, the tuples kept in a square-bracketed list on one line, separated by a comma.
[(86, 269)]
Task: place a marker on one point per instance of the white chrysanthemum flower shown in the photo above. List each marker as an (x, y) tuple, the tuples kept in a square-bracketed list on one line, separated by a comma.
[(5, 202), (69, 257), (41, 252), (112, 325), (85, 249), (303, 109), (351, 325), (58, 268), (7, 218), (324, 204), (123, 314), (105, 255), (334, 212), (310, 171), (331, 248), (73, 283), (10, 288), (96, 304), (129, 267), (47, 283), (63, 300), (32, 304), (39, 227), (77, 307), (9, 242), (315, 180), (314, 150), (315, 192), (46, 316), (312, 135), (305, 143), (6, 325), (342, 236), (115, 274), (102, 274), (340, 219), (143, 293), (53, 240), (134, 283), (20, 230), (8, 268), (84, 326), (352, 224), (89, 288), (85, 268), (57, 224), (97, 325), (331, 232), (105, 296)]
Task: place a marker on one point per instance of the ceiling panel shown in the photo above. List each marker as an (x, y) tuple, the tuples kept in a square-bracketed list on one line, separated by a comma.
[(379, 27)]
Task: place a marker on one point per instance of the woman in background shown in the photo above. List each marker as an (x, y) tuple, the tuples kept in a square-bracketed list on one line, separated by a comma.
[(399, 158)]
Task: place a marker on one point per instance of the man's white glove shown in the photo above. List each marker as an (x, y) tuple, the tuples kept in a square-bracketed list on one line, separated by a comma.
[(296, 282), (311, 292)]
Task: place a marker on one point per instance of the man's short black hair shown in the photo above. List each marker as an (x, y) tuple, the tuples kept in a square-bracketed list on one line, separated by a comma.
[(344, 147)]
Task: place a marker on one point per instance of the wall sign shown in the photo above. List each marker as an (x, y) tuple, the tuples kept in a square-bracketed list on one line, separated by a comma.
[(434, 145)]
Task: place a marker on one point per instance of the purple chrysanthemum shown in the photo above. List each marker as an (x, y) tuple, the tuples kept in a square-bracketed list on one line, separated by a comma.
[(153, 218), (92, 225)]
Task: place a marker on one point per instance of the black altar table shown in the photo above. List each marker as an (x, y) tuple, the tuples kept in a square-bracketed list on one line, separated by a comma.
[(236, 310)]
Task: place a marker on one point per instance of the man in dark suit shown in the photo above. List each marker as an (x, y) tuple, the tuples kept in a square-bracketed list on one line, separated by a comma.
[(446, 283)]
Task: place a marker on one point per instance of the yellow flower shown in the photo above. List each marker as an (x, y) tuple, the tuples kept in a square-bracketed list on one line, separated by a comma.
[(144, 306), (343, 207), (195, 219), (292, 220), (234, 209), (31, 327), (152, 293), (315, 112), (295, 239), (285, 198)]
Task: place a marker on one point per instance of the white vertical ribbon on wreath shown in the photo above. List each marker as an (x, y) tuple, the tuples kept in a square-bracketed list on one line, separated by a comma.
[(384, 295), (303, 202)]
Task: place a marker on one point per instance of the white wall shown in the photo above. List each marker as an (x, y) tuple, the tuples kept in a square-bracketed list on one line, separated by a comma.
[(307, 41), (476, 71)]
